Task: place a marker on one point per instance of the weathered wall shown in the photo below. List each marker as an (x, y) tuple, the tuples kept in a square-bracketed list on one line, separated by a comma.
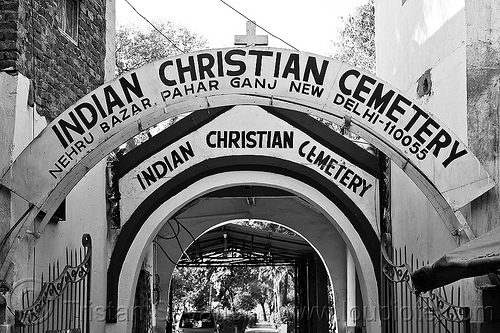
[(19, 124), (420, 36), (458, 42), (62, 70), (423, 38), (8, 85), (483, 102), (483, 98)]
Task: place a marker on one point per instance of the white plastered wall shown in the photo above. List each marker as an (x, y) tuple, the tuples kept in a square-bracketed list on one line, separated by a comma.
[(85, 206), (412, 38), (20, 124)]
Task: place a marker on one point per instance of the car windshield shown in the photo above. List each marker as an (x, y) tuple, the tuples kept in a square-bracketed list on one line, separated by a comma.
[(197, 320)]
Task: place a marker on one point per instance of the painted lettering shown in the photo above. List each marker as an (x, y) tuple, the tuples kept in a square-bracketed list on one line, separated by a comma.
[(240, 64), (312, 68), (250, 139), (454, 154), (167, 164), (306, 88), (182, 70), (85, 115), (124, 114), (378, 101), (71, 153), (258, 62), (326, 163)]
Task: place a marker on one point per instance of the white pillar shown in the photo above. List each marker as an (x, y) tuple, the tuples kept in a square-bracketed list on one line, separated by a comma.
[(351, 292)]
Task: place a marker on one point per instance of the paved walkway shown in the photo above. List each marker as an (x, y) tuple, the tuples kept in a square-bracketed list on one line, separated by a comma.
[(262, 327)]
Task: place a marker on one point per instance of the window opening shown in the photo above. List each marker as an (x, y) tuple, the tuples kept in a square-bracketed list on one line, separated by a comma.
[(68, 18)]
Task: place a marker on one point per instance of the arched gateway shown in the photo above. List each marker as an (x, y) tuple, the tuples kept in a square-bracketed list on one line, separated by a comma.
[(249, 124)]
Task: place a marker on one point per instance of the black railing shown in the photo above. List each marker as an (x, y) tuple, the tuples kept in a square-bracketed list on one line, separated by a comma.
[(63, 303), (403, 311)]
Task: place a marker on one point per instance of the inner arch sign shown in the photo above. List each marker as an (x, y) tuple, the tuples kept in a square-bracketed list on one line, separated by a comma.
[(247, 131), (441, 165)]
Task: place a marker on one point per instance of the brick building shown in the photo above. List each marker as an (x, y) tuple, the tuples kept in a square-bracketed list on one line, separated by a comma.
[(59, 45)]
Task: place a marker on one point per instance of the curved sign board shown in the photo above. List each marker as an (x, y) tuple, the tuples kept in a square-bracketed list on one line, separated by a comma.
[(436, 160), (247, 131)]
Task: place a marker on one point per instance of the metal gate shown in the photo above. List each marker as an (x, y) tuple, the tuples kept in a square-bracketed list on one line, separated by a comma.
[(403, 311), (63, 302)]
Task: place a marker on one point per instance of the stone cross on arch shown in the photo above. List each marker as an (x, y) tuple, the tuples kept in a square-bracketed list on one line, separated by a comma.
[(251, 39)]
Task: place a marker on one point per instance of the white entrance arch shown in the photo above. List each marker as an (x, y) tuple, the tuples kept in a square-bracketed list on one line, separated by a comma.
[(131, 266), (429, 153)]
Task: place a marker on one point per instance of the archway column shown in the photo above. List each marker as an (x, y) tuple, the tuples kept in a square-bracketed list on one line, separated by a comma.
[(351, 293)]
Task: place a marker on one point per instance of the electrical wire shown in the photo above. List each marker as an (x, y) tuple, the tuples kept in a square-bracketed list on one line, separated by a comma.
[(7, 235), (165, 253), (177, 239), (174, 235), (154, 27), (228, 5), (237, 11), (182, 225)]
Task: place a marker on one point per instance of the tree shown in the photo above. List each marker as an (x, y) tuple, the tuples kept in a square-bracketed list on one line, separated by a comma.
[(260, 291), (191, 288), (136, 46), (235, 288), (268, 226), (357, 38), (232, 282), (245, 301)]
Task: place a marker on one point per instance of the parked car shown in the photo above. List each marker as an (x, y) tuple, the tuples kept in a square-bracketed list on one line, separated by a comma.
[(197, 322)]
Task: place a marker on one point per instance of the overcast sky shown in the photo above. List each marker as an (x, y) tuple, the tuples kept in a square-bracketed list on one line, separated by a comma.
[(308, 25)]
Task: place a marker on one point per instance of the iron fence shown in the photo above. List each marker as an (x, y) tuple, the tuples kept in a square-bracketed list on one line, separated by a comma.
[(63, 302), (403, 311)]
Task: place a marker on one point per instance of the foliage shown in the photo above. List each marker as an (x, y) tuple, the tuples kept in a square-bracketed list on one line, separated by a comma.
[(136, 46), (357, 38), (229, 322), (229, 282), (285, 315), (191, 289), (268, 226), (235, 288), (245, 301), (332, 323)]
